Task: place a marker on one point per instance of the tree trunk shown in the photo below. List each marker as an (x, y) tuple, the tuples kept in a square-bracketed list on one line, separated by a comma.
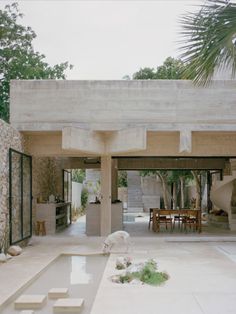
[(174, 197), (164, 188), (181, 192), (198, 188)]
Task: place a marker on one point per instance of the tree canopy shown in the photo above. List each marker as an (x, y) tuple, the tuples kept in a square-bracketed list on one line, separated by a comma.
[(171, 69), (209, 40), (18, 59)]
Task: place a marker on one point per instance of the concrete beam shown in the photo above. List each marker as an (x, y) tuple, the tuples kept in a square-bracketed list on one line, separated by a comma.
[(87, 141), (108, 143), (168, 163), (128, 140)]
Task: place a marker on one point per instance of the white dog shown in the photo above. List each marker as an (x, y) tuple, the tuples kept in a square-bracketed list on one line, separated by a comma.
[(114, 238)]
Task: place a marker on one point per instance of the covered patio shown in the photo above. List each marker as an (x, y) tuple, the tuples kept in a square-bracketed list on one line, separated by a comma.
[(132, 125)]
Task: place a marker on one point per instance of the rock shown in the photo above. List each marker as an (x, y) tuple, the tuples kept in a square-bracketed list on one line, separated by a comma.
[(115, 278), (135, 268), (3, 258), (123, 262), (14, 250), (120, 262)]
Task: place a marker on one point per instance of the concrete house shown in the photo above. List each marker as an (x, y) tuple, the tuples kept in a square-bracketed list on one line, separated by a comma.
[(117, 125)]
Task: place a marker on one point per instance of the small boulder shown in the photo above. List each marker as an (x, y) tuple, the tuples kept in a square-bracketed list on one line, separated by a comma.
[(123, 262), (14, 250), (3, 258)]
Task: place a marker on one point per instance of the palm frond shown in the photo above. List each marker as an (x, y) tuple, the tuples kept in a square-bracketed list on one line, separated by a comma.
[(209, 40)]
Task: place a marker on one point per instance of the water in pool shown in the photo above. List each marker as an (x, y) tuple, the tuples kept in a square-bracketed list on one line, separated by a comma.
[(81, 274)]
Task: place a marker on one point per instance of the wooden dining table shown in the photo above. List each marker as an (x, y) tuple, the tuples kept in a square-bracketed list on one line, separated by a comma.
[(176, 212)]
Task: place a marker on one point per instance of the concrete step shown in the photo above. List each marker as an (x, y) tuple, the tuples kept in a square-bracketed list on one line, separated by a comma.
[(58, 293), (135, 209), (68, 305), (30, 301), (134, 191)]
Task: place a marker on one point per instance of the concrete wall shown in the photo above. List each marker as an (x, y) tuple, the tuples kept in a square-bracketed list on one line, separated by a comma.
[(152, 192), (9, 138), (76, 194), (113, 105)]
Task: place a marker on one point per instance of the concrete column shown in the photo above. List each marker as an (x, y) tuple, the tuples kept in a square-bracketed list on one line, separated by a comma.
[(105, 222), (114, 180)]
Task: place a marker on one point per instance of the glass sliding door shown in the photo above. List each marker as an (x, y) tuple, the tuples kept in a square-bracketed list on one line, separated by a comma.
[(67, 192), (67, 185), (20, 196)]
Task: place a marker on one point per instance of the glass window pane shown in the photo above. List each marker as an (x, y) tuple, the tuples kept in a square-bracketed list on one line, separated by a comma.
[(16, 196), (26, 197)]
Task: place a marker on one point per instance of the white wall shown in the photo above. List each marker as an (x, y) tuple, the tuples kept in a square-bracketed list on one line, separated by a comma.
[(76, 194)]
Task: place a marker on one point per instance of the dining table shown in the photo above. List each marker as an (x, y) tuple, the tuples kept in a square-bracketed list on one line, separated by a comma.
[(176, 212)]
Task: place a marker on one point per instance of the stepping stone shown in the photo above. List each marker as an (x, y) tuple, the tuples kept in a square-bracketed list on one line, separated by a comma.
[(30, 301), (27, 312), (68, 305), (58, 293)]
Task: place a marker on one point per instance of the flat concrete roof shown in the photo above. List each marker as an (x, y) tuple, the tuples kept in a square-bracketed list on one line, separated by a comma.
[(166, 105)]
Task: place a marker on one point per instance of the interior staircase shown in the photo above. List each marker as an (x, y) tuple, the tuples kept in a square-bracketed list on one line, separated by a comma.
[(222, 192), (135, 204)]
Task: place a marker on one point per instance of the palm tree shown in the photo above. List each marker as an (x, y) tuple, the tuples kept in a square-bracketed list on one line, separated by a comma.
[(209, 40)]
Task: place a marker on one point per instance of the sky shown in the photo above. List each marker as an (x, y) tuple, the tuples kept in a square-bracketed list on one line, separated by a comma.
[(105, 39)]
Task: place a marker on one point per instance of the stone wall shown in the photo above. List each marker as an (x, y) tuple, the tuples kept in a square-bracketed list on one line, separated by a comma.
[(9, 138), (47, 179)]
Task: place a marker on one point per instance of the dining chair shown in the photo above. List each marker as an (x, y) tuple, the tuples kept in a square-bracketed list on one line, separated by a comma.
[(179, 217), (191, 220), (164, 217), (150, 217)]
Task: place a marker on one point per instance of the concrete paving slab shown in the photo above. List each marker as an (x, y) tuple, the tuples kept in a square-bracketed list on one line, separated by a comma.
[(57, 293), (217, 303), (68, 305), (30, 301)]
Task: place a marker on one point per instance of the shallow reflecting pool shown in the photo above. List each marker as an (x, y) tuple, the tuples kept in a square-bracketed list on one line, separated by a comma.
[(81, 274)]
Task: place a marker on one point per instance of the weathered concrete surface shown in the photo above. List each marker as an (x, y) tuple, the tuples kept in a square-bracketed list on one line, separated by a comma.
[(158, 144), (9, 138), (87, 141), (113, 105), (201, 281), (202, 275)]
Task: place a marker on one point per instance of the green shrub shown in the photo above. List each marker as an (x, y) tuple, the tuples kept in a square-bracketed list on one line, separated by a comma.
[(84, 197), (150, 275)]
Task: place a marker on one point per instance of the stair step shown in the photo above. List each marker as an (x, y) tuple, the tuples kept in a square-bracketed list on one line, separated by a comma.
[(30, 301), (68, 305), (57, 293)]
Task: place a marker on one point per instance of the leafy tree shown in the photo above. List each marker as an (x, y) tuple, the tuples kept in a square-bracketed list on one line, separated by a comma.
[(209, 40), (122, 178), (163, 176), (18, 60), (171, 69), (78, 175)]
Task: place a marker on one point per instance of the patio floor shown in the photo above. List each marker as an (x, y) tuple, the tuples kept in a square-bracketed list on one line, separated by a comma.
[(202, 274)]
